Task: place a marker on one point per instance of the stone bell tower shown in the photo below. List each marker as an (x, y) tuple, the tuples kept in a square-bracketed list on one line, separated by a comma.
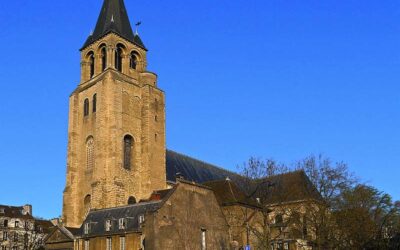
[(116, 134)]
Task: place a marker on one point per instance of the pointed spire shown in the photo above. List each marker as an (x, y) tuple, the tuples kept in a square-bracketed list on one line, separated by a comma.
[(114, 18)]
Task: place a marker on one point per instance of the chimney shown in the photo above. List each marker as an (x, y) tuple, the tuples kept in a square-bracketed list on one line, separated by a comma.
[(27, 209), (155, 196)]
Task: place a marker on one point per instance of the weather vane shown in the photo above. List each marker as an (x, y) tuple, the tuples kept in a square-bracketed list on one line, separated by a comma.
[(137, 26)]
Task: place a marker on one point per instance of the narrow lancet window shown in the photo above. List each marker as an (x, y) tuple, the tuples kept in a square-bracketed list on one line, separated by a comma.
[(128, 150), (118, 58), (89, 153), (87, 204), (133, 60), (94, 103), (103, 58), (86, 107), (91, 62)]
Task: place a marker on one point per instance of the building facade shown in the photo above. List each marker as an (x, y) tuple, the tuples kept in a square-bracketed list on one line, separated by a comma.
[(186, 216), (20, 230), (116, 134), (124, 189)]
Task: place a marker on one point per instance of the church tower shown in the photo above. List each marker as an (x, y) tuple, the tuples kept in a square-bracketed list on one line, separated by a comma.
[(116, 132)]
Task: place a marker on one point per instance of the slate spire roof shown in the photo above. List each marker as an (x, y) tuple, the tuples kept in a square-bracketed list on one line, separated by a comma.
[(114, 18)]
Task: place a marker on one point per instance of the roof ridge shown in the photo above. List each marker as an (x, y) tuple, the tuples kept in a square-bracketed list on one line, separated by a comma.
[(125, 206), (8, 206), (201, 161), (286, 173)]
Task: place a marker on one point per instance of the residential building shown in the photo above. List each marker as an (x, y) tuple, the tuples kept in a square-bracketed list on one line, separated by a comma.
[(20, 230)]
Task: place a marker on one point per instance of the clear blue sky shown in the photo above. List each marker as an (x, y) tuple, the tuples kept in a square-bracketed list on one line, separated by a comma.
[(280, 79)]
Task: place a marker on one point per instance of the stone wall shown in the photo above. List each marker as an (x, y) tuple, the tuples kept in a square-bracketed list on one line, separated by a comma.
[(128, 103), (179, 224)]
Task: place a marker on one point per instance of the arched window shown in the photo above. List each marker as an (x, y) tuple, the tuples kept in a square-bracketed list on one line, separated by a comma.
[(89, 153), (131, 200), (118, 58), (87, 203), (94, 103), (128, 150), (103, 52), (86, 107), (91, 62), (134, 60)]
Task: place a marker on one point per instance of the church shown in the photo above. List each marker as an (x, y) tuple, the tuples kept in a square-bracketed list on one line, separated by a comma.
[(124, 189)]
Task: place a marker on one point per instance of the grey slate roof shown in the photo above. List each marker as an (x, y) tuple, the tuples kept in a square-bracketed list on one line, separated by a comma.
[(194, 170), (287, 187), (114, 18), (98, 218)]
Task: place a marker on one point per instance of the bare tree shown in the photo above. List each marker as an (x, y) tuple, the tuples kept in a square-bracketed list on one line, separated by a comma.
[(273, 223)]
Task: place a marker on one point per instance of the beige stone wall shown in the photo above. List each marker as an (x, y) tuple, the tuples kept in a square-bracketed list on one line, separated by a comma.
[(179, 223), (240, 232), (128, 103), (132, 241)]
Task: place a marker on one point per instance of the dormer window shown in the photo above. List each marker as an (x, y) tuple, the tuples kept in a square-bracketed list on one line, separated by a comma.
[(108, 225), (122, 223), (86, 228), (141, 219)]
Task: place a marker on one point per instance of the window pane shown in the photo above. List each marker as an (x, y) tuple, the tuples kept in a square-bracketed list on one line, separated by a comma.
[(127, 151), (122, 243)]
